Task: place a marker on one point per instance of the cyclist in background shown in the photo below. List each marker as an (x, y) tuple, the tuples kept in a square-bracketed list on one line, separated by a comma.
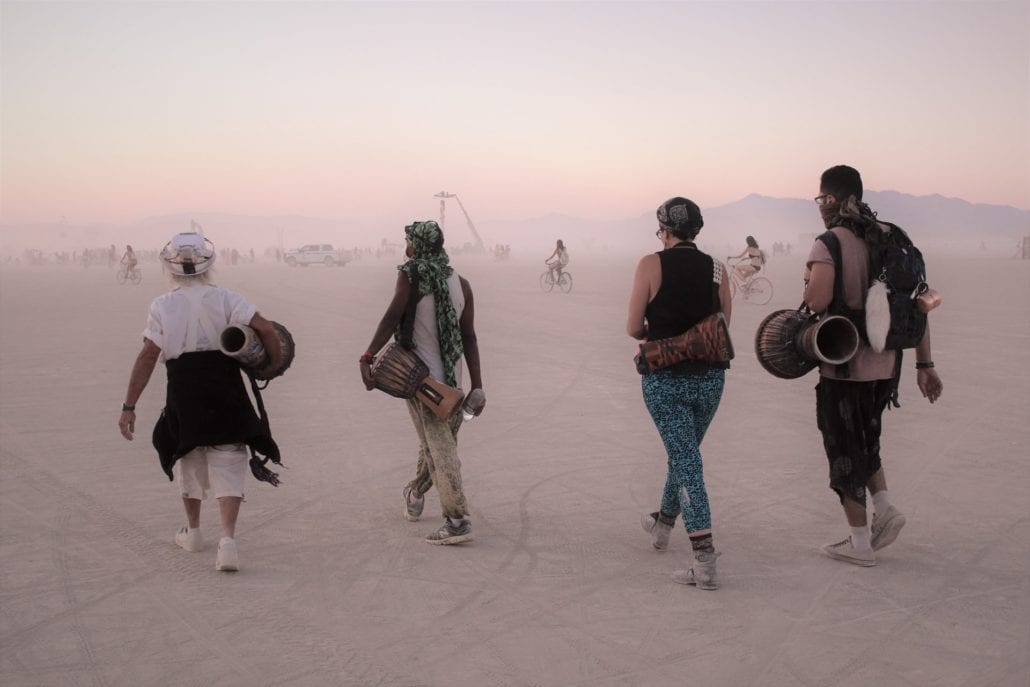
[(557, 260), (755, 260), (129, 259)]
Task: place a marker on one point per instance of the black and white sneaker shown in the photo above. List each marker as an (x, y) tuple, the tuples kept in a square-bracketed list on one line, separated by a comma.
[(452, 532)]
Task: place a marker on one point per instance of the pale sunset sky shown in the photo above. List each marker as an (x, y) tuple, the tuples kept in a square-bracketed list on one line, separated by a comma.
[(112, 112)]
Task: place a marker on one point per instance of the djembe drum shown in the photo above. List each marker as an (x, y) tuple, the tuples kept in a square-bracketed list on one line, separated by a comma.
[(790, 343), (708, 340), (242, 343), (402, 374)]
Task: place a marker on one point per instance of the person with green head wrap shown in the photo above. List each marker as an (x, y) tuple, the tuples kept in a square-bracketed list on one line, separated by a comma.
[(432, 314)]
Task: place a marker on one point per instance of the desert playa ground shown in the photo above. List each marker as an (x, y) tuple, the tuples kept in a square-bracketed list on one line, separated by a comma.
[(560, 586)]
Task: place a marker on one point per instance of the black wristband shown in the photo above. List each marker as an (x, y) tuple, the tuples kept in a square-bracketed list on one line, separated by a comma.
[(126, 408), (924, 366)]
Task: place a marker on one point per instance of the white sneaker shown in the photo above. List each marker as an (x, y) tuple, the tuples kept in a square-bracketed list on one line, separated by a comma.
[(189, 539), (659, 531), (885, 528), (846, 551), (228, 558), (701, 574)]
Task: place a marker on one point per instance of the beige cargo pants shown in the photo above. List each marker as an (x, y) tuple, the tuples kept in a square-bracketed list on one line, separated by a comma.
[(438, 459)]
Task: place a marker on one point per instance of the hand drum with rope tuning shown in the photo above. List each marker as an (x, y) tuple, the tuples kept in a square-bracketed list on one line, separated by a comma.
[(402, 374)]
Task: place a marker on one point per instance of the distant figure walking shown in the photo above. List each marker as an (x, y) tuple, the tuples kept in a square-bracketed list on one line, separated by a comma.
[(673, 290), (850, 401), (433, 315), (208, 420)]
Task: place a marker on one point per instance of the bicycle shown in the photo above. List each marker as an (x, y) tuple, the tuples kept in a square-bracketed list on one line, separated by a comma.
[(548, 280), (757, 290), (135, 275)]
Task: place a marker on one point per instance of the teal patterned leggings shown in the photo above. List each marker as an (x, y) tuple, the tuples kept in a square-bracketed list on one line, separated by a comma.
[(682, 407)]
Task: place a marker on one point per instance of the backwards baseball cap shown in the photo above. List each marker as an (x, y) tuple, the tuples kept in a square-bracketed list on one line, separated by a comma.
[(188, 253), (681, 214)]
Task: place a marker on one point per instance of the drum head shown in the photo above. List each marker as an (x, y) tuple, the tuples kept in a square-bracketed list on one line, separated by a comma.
[(776, 344)]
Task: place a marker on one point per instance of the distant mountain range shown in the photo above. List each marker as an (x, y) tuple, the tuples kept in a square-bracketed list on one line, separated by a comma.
[(928, 219)]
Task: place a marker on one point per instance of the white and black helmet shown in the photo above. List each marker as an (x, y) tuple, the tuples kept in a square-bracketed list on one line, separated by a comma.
[(188, 253)]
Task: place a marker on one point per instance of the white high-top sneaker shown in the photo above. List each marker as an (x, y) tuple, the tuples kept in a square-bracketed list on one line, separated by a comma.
[(702, 573), (659, 531), (228, 557)]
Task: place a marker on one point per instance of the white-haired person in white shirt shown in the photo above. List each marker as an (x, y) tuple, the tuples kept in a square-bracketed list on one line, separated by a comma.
[(208, 423)]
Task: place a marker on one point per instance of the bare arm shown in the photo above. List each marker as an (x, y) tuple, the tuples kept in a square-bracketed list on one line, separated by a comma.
[(725, 298), (469, 340), (470, 343), (269, 340), (387, 325), (648, 270), (138, 379), (819, 291), (929, 381)]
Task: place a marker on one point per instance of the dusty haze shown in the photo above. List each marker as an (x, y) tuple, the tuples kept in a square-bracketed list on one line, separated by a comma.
[(561, 586)]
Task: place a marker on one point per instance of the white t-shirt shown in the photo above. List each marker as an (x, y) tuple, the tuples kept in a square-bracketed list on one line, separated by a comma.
[(191, 318), (426, 334)]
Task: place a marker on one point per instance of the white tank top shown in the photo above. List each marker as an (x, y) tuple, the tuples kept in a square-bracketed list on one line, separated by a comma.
[(426, 334)]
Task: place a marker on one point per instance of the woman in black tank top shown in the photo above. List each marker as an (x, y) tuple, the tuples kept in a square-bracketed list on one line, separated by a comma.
[(673, 290)]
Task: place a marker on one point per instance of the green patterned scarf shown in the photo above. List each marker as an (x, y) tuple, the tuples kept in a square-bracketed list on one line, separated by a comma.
[(429, 269)]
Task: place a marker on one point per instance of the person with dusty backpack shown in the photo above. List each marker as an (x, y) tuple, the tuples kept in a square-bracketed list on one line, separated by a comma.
[(851, 398)]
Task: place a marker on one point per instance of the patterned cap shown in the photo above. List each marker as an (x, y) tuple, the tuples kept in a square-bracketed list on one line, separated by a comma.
[(680, 213), (426, 237)]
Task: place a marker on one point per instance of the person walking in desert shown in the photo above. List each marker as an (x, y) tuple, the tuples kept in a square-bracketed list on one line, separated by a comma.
[(432, 314), (673, 290), (850, 401), (208, 421)]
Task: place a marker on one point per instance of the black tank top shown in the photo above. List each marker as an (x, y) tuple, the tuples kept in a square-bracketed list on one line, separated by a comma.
[(688, 294)]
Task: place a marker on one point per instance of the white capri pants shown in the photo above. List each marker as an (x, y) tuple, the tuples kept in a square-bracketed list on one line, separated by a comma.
[(218, 468)]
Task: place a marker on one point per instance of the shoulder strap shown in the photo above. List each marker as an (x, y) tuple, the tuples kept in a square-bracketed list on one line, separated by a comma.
[(838, 305), (833, 245)]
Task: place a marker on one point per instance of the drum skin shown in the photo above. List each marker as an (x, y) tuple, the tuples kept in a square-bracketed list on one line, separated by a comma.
[(791, 343), (776, 344)]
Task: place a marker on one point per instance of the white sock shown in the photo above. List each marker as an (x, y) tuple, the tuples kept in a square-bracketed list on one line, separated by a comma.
[(881, 501), (455, 522), (860, 538)]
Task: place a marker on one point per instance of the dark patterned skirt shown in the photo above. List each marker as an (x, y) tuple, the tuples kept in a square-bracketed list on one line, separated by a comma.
[(849, 414)]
